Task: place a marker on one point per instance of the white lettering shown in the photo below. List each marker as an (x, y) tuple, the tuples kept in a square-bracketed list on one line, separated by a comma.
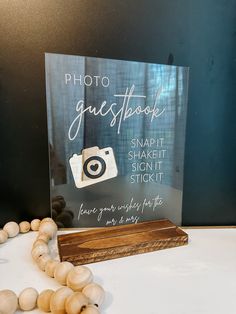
[(118, 114)]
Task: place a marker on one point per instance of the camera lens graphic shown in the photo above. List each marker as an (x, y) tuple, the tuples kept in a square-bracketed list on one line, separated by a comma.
[(94, 167)]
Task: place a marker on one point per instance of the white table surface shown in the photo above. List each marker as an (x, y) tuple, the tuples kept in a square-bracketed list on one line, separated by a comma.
[(199, 278)]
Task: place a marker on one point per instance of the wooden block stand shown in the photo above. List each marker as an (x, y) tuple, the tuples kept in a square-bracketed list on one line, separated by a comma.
[(114, 242)]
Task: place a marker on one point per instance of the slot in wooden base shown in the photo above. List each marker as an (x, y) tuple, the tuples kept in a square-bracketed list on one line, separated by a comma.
[(119, 241)]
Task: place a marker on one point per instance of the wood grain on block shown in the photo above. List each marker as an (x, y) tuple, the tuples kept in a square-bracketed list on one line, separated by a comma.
[(119, 241)]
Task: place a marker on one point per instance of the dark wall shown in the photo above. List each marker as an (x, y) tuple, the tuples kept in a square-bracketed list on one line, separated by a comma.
[(199, 34)]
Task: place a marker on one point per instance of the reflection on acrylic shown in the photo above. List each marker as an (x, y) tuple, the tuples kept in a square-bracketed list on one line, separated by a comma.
[(116, 133)]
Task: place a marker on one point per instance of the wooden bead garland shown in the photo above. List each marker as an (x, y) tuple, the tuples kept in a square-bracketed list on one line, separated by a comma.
[(42, 261), (28, 299), (35, 224), (61, 272), (39, 250), (8, 302), (79, 277), (94, 293), (79, 294), (91, 309), (50, 267), (24, 227), (3, 236), (49, 228), (12, 229), (76, 303), (58, 300), (44, 237), (43, 301)]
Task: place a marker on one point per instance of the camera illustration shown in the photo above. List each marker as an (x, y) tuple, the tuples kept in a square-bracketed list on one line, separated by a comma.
[(93, 165)]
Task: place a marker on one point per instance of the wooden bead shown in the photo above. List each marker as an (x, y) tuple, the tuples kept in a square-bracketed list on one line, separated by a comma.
[(28, 299), (48, 227), (43, 301), (75, 303), (42, 261), (12, 229), (44, 236), (24, 227), (91, 309), (39, 250), (3, 236), (58, 299), (50, 267), (8, 302), (79, 277), (38, 242), (61, 272), (47, 219), (95, 293), (35, 224)]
